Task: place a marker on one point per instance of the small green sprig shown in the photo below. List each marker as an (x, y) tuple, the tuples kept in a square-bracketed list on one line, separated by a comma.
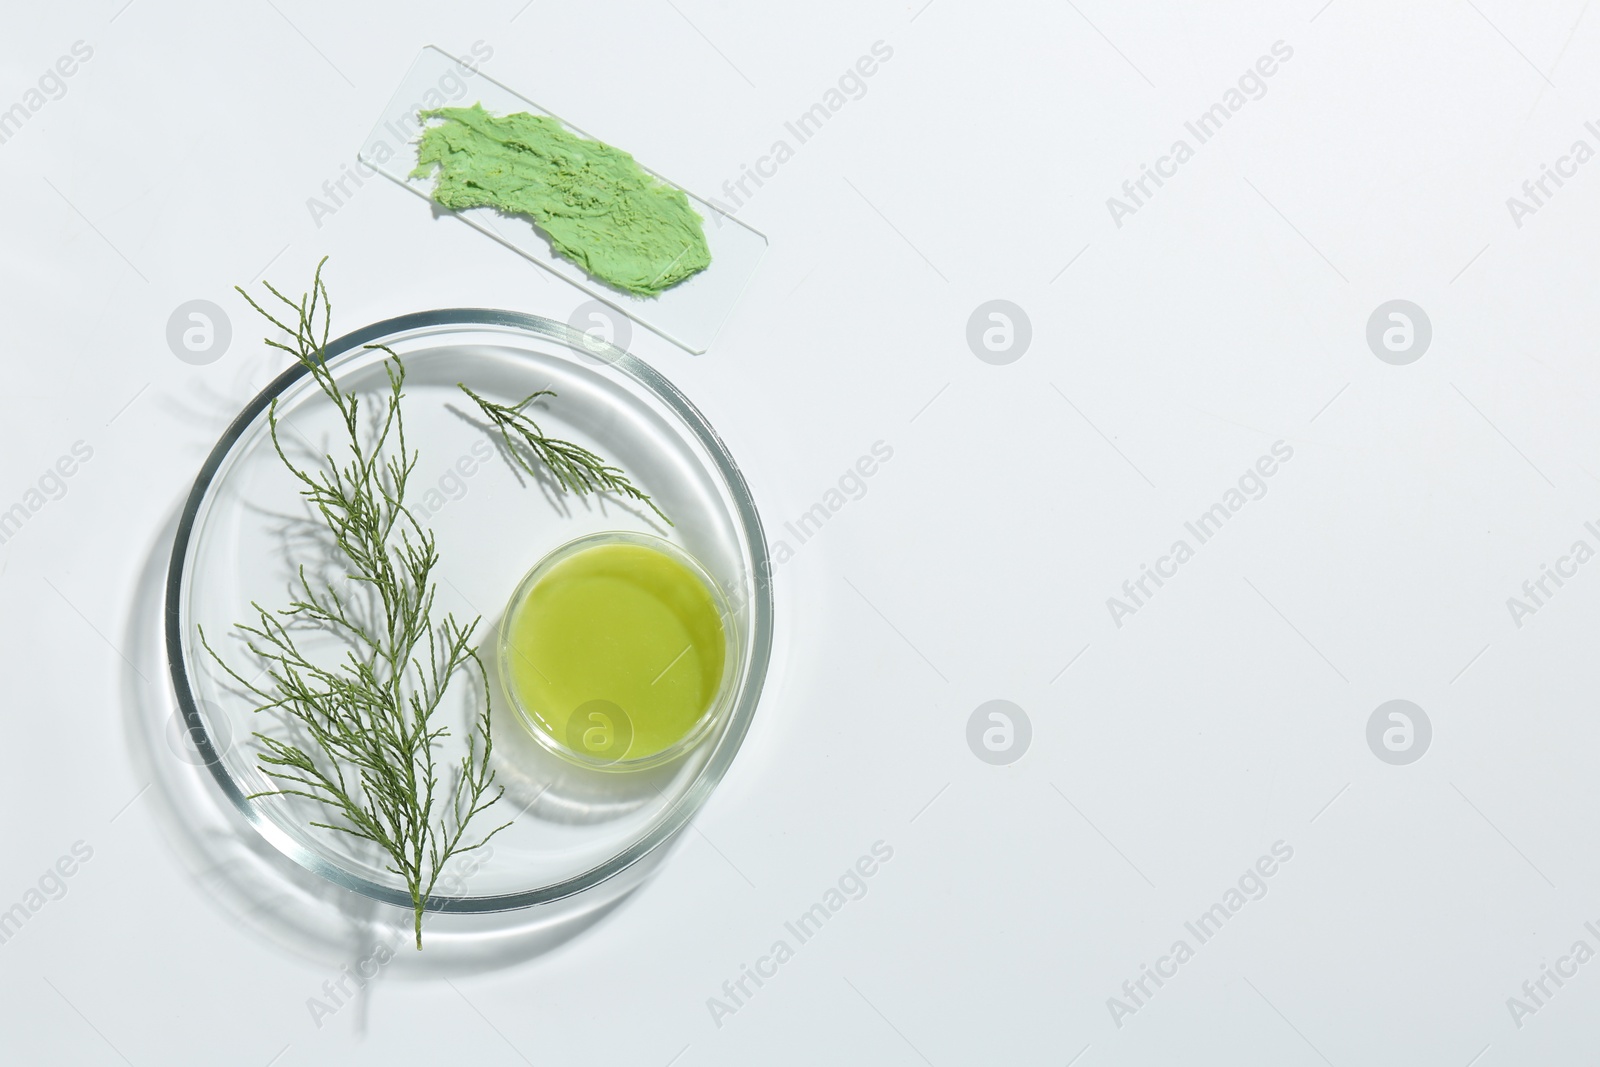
[(368, 725), (576, 469)]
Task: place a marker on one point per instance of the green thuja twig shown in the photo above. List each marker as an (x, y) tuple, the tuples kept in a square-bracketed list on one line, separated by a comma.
[(368, 722), (576, 469)]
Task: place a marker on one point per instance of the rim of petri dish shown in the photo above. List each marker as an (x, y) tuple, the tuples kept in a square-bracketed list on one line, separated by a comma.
[(739, 711), (714, 710)]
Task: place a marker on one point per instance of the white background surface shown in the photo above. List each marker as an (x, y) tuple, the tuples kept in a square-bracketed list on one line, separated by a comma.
[(1227, 314)]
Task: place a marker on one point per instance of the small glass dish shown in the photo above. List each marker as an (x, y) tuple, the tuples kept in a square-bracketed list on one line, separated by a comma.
[(610, 736)]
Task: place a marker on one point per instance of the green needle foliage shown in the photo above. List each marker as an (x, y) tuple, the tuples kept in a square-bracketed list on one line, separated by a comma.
[(365, 732), (576, 469)]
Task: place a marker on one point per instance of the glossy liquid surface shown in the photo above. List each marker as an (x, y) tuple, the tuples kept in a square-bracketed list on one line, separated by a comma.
[(617, 652)]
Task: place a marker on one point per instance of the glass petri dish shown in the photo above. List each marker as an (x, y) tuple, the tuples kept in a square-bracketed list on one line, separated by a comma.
[(245, 530), (590, 728)]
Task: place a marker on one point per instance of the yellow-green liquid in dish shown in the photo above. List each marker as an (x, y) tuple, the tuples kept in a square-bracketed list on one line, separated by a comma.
[(616, 651)]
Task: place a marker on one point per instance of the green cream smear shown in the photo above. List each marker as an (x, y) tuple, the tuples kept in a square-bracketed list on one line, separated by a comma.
[(597, 206)]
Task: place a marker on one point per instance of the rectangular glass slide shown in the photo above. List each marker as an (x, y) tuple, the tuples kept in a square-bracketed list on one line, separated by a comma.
[(689, 314)]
